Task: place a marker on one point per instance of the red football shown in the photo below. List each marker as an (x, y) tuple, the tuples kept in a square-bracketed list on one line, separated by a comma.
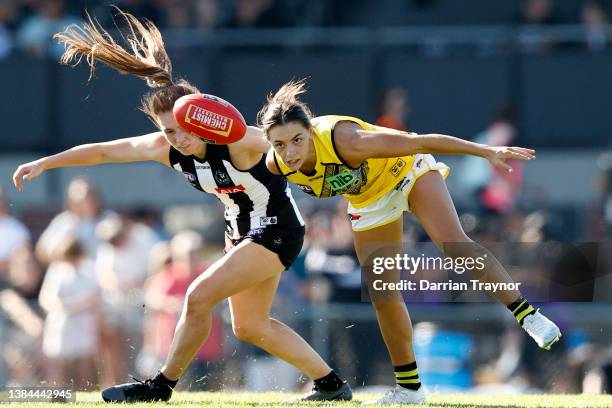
[(210, 118)]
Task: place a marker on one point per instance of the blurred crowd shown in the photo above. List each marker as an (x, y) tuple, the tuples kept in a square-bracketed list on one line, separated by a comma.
[(26, 26), (92, 294)]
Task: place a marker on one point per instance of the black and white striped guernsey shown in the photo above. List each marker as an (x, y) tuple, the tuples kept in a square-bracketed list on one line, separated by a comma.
[(253, 199)]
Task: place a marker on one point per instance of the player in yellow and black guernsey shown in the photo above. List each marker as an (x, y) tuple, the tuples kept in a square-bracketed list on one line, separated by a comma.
[(383, 173)]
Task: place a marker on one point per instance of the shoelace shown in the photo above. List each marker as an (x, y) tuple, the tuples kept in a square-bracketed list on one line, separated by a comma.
[(145, 382), (535, 323), (390, 395)]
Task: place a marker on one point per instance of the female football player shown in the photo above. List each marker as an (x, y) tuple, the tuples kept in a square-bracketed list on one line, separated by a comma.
[(237, 175), (382, 173)]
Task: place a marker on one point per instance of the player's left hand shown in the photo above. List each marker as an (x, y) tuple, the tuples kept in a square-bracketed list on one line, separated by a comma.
[(497, 155)]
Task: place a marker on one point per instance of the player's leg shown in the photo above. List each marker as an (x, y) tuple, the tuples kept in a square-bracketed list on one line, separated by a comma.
[(431, 203), (393, 317), (231, 274), (251, 322), (392, 314)]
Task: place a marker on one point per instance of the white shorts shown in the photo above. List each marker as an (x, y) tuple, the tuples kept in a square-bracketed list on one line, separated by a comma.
[(390, 207)]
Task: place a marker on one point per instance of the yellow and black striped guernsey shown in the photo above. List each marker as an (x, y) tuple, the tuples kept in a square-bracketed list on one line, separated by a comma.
[(332, 176)]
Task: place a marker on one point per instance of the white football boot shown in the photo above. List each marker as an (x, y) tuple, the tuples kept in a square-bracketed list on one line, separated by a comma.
[(400, 395), (541, 329)]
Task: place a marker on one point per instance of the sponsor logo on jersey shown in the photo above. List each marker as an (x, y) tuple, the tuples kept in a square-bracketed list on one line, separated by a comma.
[(202, 166), (209, 121), (229, 190), (397, 167), (221, 177), (404, 182), (267, 221), (306, 189), (191, 177), (341, 180)]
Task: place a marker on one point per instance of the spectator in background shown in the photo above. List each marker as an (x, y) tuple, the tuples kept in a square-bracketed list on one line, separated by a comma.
[(141, 8), (34, 36), (165, 294), (394, 109), (13, 234), (19, 305), (594, 20), (122, 268), (7, 20), (254, 14), (83, 211), (70, 296), (534, 15), (495, 191), (176, 13), (145, 9), (208, 14)]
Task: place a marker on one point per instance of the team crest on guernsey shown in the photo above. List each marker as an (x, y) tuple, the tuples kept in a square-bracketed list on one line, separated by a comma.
[(222, 177)]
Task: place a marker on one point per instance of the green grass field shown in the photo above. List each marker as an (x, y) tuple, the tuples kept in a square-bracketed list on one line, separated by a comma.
[(240, 399)]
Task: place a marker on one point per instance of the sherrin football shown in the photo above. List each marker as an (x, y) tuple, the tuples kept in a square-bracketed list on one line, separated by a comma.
[(210, 118)]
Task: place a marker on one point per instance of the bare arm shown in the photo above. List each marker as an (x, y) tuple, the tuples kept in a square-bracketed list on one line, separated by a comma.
[(254, 141), (356, 145), (271, 162), (152, 146)]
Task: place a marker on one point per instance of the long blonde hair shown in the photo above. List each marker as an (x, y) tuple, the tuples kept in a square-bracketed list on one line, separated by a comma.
[(146, 58)]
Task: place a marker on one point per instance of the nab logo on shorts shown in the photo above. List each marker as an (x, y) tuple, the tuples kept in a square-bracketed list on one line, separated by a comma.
[(267, 221), (229, 190)]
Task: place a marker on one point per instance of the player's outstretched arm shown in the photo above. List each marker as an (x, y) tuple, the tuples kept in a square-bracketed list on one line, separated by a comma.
[(356, 145), (254, 141), (152, 146)]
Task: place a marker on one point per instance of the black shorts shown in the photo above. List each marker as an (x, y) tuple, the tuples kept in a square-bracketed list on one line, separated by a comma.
[(285, 242)]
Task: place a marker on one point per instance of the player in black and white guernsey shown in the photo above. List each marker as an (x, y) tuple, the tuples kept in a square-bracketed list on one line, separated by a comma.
[(265, 231), (258, 204)]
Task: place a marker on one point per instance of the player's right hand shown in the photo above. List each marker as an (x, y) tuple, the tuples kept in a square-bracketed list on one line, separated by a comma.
[(27, 171)]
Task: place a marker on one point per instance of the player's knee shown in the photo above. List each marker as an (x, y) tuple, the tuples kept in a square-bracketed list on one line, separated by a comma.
[(453, 236), (199, 299), (251, 329), (250, 332)]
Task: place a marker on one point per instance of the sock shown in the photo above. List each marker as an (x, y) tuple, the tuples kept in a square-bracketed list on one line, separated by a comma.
[(407, 376), (331, 382), (161, 379), (521, 308)]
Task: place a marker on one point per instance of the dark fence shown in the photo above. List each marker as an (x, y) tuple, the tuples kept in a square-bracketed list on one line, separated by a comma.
[(563, 96)]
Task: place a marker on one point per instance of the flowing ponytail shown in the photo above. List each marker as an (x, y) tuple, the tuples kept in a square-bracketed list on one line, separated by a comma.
[(285, 106), (146, 58)]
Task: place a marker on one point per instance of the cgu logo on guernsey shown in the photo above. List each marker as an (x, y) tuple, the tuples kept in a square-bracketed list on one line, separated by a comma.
[(209, 121)]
